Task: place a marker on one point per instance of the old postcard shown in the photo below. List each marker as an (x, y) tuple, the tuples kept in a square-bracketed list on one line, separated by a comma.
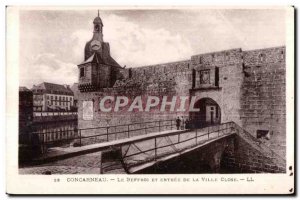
[(150, 100)]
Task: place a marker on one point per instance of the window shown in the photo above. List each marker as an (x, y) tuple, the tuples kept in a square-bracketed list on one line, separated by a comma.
[(204, 76), (82, 72), (193, 78), (262, 134), (217, 76), (200, 60), (97, 28)]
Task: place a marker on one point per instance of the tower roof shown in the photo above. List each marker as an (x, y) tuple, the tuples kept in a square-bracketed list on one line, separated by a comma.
[(98, 20), (108, 60)]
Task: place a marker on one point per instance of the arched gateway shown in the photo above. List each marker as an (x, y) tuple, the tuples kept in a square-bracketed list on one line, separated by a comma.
[(209, 114)]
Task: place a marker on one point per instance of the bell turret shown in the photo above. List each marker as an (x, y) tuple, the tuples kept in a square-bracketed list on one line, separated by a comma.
[(98, 70), (98, 28)]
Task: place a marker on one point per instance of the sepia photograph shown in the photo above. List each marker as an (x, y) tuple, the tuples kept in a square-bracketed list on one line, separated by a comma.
[(152, 92)]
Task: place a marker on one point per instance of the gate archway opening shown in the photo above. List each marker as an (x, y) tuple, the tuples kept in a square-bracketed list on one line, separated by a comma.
[(209, 114)]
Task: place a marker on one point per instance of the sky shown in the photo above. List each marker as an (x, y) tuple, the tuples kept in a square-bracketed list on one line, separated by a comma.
[(52, 41)]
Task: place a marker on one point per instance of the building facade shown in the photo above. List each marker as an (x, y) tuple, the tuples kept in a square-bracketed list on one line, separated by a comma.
[(52, 97), (247, 87)]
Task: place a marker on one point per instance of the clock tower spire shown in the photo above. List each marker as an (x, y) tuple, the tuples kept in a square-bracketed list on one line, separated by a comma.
[(98, 70), (98, 27)]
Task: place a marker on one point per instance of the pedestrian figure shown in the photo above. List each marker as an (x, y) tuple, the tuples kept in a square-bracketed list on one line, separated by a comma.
[(187, 124), (178, 123), (182, 123)]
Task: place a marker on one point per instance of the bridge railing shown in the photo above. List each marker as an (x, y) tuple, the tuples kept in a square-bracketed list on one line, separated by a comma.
[(99, 134), (111, 133), (154, 147)]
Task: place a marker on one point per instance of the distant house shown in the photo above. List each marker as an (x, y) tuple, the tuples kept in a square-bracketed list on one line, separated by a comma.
[(52, 97)]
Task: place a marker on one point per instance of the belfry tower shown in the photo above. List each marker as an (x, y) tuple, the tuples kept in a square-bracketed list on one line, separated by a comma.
[(99, 69)]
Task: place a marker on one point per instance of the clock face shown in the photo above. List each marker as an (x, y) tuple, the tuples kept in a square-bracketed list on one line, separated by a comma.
[(95, 45)]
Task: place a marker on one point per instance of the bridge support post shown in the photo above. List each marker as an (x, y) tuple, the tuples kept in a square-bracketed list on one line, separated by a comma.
[(159, 126), (128, 136)]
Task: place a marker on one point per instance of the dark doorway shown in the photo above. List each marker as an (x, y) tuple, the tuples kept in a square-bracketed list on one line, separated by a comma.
[(209, 114)]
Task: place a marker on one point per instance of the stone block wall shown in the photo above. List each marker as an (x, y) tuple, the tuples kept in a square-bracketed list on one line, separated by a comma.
[(88, 74), (171, 79), (241, 157), (102, 76), (251, 90), (227, 94), (263, 96)]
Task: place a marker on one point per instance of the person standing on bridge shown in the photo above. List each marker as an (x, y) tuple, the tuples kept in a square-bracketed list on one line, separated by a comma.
[(182, 123), (178, 123), (187, 123)]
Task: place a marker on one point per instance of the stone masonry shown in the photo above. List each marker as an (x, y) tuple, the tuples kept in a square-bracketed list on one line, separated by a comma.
[(248, 87)]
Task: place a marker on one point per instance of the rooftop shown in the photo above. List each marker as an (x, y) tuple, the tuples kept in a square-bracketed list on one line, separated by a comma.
[(24, 89), (53, 88)]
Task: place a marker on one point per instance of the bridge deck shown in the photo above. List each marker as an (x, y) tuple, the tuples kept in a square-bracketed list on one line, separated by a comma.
[(144, 149), (61, 153), (140, 153), (176, 154)]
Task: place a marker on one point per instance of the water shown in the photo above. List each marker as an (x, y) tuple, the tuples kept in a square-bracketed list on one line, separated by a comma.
[(56, 133)]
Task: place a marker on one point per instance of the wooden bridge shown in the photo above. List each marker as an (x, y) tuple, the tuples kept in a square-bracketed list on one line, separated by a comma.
[(226, 144)]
